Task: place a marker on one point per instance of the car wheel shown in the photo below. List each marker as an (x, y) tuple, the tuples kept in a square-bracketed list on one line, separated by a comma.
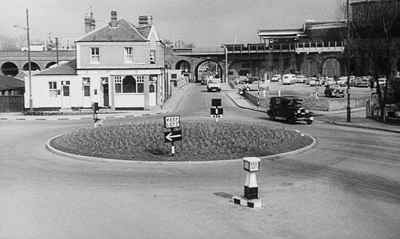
[(291, 120), (309, 122)]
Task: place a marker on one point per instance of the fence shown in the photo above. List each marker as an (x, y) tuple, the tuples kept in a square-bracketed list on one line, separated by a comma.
[(12, 103)]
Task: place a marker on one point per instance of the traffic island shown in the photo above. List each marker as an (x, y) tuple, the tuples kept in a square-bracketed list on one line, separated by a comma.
[(202, 140)]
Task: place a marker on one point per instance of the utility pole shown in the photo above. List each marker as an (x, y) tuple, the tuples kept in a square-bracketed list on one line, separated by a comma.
[(348, 58), (226, 64), (57, 57), (29, 60)]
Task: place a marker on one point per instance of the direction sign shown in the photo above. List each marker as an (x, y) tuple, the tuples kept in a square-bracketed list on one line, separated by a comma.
[(172, 136), (172, 121), (216, 102)]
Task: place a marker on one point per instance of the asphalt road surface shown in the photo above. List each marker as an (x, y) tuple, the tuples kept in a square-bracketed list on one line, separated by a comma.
[(347, 186)]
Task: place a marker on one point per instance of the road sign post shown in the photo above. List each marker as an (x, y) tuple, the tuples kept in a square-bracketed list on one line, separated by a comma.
[(216, 110), (172, 123)]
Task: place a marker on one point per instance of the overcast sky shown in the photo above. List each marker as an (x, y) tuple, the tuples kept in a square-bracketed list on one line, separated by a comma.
[(203, 22)]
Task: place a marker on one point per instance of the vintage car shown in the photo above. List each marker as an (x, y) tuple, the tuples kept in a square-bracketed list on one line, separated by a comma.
[(334, 91), (290, 109)]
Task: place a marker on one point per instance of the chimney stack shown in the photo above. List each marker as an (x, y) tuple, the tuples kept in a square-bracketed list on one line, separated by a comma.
[(145, 21), (90, 23), (114, 19)]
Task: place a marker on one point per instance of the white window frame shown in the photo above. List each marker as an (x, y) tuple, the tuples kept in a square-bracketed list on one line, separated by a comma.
[(128, 54), (86, 83), (53, 88), (94, 55)]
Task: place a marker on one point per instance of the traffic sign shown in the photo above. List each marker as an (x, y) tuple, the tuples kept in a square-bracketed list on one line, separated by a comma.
[(216, 102), (172, 136), (216, 111), (172, 121)]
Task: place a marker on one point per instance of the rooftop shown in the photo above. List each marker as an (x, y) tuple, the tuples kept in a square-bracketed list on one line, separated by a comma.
[(68, 68), (9, 83)]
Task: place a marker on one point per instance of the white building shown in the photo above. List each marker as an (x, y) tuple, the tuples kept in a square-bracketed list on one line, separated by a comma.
[(119, 65)]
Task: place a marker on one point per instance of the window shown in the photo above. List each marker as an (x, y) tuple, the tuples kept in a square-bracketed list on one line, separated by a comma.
[(128, 55), (65, 90), (151, 88), (173, 76), (53, 88), (86, 86), (152, 56), (118, 84), (140, 84), (129, 84), (94, 55)]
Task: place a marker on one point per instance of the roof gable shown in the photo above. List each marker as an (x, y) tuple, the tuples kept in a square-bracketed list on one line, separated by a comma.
[(124, 31)]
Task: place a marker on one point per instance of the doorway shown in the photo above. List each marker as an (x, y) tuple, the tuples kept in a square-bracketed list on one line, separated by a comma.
[(106, 101)]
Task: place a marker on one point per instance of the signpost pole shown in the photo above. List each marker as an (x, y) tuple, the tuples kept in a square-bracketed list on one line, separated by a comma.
[(172, 149)]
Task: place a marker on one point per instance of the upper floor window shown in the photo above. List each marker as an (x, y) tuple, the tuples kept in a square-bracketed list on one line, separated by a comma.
[(94, 55), (86, 86), (128, 54), (152, 56)]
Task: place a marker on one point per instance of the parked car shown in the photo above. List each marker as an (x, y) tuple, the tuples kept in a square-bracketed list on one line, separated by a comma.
[(276, 78), (334, 91), (301, 79), (288, 79), (214, 84), (361, 82), (314, 81), (290, 109)]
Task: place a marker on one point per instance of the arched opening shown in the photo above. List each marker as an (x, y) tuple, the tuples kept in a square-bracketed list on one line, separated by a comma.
[(183, 65), (309, 68), (50, 64), (208, 68), (331, 67), (34, 66), (9, 69), (129, 84)]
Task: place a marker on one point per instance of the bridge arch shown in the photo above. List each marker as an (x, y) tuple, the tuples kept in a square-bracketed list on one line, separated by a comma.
[(331, 67), (34, 66), (220, 69), (310, 67), (183, 65), (51, 63), (9, 69)]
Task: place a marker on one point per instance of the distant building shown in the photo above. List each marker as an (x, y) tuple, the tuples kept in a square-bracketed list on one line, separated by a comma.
[(327, 31), (119, 65)]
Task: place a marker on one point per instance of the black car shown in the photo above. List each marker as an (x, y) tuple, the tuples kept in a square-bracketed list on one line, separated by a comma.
[(290, 109)]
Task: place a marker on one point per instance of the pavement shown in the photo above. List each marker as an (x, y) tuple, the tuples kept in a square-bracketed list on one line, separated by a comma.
[(168, 106), (358, 119)]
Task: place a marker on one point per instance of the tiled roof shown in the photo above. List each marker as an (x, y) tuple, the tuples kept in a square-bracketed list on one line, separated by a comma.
[(124, 31), (144, 30), (68, 68), (9, 83)]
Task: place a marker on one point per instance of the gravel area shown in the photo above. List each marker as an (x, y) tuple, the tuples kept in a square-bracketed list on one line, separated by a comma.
[(203, 140)]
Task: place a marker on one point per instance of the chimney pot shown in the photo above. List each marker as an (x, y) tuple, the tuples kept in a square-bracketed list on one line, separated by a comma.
[(114, 19)]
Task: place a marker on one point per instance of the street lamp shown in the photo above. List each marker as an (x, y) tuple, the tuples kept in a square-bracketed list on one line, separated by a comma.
[(348, 109), (29, 58)]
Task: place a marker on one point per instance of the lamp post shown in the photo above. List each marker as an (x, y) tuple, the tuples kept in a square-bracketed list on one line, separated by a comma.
[(348, 109), (28, 42)]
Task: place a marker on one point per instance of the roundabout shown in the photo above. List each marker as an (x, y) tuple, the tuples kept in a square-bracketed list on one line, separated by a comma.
[(203, 140)]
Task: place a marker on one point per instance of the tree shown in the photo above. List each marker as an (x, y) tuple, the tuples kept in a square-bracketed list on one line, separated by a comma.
[(374, 25)]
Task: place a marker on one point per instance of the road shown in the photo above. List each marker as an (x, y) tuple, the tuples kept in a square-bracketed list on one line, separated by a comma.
[(347, 186)]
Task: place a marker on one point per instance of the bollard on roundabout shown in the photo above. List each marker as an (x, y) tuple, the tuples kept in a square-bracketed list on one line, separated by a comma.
[(251, 197)]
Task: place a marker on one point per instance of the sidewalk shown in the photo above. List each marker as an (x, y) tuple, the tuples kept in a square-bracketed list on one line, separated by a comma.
[(333, 117), (168, 106)]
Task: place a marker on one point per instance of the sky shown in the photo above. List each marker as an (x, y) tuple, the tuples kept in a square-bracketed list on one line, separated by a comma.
[(202, 22)]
